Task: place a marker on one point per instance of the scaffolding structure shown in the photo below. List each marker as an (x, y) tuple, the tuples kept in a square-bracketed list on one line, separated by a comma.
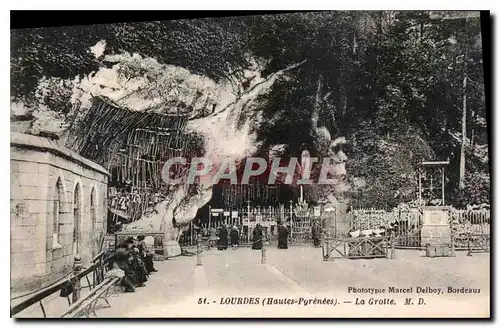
[(134, 146)]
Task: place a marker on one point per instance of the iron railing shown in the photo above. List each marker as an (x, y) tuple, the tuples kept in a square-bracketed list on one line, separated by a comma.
[(96, 271)]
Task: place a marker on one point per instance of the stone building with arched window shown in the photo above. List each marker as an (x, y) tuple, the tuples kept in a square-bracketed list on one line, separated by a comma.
[(58, 209)]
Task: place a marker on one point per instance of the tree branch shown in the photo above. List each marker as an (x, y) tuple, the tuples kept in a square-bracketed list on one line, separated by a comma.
[(272, 77)]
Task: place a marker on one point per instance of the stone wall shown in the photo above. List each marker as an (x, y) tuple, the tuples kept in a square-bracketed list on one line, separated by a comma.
[(53, 191)]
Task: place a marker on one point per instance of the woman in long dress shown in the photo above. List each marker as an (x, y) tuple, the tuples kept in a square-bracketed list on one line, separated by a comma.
[(235, 236), (257, 237), (282, 237), (222, 245)]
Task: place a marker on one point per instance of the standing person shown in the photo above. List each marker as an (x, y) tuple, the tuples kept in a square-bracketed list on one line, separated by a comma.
[(257, 237), (222, 238), (316, 232), (282, 236), (146, 254), (235, 236)]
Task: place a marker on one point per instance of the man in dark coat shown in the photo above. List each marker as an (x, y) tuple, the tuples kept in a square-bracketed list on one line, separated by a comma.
[(222, 244), (282, 236), (316, 233), (257, 237)]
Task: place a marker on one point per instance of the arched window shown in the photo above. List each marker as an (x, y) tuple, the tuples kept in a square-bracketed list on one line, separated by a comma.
[(56, 223), (76, 219)]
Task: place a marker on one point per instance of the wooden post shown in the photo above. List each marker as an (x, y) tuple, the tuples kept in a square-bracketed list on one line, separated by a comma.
[(323, 239), (191, 230), (335, 223), (77, 268), (248, 220), (328, 235), (387, 254), (442, 186), (393, 250), (469, 251), (198, 250), (263, 258)]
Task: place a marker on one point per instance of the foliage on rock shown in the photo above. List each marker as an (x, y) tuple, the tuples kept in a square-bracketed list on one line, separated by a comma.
[(390, 82)]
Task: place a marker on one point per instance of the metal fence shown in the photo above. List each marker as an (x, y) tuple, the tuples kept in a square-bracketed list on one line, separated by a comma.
[(297, 216), (467, 222), (92, 276), (406, 223)]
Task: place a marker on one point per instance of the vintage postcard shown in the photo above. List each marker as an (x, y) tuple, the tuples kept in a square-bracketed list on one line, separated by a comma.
[(324, 164)]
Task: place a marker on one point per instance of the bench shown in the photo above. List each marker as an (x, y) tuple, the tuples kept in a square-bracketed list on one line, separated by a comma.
[(87, 305)]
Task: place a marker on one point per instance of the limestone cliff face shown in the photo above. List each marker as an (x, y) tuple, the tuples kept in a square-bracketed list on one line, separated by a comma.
[(223, 113), (178, 204), (227, 135)]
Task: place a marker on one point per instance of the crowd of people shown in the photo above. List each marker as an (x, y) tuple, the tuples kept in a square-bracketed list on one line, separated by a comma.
[(259, 233), (226, 236), (132, 261)]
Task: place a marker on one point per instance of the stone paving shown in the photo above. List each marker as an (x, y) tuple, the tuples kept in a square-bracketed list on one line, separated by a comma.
[(178, 288), (183, 289)]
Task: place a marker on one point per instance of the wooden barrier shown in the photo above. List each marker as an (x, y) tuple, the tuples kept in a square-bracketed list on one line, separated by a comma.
[(358, 248), (478, 243)]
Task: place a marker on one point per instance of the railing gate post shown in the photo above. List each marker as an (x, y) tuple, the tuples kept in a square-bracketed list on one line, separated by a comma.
[(452, 254), (263, 258), (198, 250), (393, 242), (77, 268)]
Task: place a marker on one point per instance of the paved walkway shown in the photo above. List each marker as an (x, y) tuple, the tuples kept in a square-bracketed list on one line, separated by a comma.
[(299, 272)]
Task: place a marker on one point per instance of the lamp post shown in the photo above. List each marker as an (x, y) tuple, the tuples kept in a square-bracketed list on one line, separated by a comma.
[(209, 215)]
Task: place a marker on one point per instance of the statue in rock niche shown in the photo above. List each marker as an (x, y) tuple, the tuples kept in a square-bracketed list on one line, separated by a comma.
[(332, 194)]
